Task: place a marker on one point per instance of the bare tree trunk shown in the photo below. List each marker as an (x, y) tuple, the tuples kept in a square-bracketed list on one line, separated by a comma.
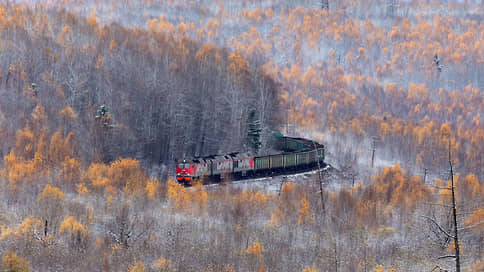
[(390, 8), (454, 215), (320, 178), (449, 236), (373, 149)]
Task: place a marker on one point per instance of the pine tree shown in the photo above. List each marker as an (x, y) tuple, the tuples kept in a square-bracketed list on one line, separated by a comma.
[(254, 131)]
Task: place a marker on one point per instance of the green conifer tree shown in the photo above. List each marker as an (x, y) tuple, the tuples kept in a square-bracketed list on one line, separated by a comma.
[(254, 131)]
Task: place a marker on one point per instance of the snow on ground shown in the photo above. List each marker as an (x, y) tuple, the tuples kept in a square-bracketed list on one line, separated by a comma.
[(330, 176), (272, 184)]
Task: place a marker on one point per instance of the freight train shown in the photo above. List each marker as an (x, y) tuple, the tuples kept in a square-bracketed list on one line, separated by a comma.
[(293, 155)]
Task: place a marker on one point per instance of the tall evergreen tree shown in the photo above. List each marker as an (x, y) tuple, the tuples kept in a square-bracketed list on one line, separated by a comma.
[(254, 131)]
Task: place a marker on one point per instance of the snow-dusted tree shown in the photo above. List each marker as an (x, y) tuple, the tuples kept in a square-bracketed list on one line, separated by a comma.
[(254, 131)]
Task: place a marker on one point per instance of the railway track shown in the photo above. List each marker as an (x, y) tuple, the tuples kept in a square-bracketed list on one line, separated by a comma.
[(273, 184), (293, 155)]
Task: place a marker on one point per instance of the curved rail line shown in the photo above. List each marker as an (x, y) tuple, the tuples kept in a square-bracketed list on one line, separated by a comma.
[(294, 155)]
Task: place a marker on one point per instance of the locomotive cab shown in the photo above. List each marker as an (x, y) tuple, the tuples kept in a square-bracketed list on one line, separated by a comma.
[(184, 172)]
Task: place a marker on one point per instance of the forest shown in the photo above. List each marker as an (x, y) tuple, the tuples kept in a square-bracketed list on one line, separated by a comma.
[(98, 99)]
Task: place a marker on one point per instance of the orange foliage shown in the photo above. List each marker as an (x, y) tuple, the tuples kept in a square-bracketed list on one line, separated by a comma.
[(393, 186), (82, 189), (189, 201), (24, 144), (97, 174), (60, 148), (12, 262), (152, 188), (138, 266), (476, 221), (124, 173), (78, 234), (305, 213), (17, 171), (310, 269), (28, 229), (289, 205), (92, 21), (238, 66), (256, 249), (68, 113), (255, 199), (51, 194), (176, 193), (162, 265), (127, 173), (70, 171), (65, 38), (469, 188), (288, 187)]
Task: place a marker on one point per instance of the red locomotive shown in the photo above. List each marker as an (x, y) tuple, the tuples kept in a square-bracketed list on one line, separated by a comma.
[(213, 167)]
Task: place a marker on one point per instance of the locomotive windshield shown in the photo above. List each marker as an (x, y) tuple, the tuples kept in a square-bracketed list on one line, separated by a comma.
[(184, 165)]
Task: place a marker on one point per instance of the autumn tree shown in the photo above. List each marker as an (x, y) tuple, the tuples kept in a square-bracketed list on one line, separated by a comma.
[(137, 266), (13, 263), (255, 254), (51, 208), (77, 235)]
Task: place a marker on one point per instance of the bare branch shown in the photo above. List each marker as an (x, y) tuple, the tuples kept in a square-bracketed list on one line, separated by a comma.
[(471, 226), (442, 188), (446, 256), (147, 228), (438, 204), (473, 201), (465, 213), (439, 269), (440, 228)]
